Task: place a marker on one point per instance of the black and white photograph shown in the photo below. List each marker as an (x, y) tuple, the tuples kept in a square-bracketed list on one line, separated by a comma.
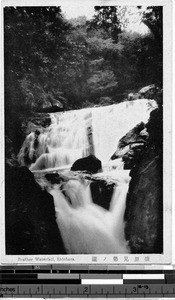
[(85, 125)]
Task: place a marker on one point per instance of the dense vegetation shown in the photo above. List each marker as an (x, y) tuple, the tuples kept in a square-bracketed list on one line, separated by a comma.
[(50, 61)]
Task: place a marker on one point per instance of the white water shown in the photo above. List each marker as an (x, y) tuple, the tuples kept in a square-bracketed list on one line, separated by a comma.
[(87, 228), (76, 134)]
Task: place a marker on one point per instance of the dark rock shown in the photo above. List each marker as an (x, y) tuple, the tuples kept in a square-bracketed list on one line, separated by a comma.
[(134, 139), (53, 178), (52, 109), (155, 129), (36, 142), (133, 136), (90, 164), (29, 216), (120, 152), (102, 192), (144, 206), (132, 156), (52, 105)]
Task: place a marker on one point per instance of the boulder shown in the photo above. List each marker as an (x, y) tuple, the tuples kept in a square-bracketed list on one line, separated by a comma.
[(90, 164), (130, 144), (102, 192), (30, 216), (53, 178)]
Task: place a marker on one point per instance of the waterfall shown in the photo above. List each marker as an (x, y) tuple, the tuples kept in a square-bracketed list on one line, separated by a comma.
[(87, 228), (78, 133)]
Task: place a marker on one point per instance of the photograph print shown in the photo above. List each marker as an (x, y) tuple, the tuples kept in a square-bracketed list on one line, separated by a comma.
[(83, 115)]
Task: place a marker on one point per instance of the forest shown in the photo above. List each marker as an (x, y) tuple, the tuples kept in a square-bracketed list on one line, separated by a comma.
[(55, 64)]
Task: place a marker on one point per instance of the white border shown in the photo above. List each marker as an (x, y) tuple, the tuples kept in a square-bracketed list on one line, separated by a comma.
[(167, 97), (173, 142)]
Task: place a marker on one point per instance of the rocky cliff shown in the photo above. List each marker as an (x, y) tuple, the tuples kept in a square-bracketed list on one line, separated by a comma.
[(144, 209)]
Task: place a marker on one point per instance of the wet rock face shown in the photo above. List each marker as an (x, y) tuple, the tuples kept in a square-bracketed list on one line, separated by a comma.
[(144, 206), (29, 215)]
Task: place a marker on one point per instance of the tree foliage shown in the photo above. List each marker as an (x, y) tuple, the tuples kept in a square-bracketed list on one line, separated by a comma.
[(50, 61), (153, 18), (110, 19), (34, 39)]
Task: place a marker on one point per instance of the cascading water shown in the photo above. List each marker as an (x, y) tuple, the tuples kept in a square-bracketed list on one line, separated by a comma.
[(76, 134), (86, 227)]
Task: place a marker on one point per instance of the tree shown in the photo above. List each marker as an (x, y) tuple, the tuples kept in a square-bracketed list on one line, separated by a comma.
[(110, 19), (34, 37), (153, 18)]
